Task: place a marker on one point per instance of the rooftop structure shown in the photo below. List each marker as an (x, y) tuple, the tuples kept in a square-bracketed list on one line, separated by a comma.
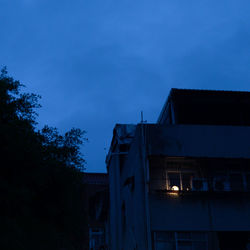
[(206, 107), (183, 182)]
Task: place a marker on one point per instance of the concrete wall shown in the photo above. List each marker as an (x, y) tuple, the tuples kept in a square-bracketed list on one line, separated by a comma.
[(115, 204), (213, 213), (128, 226), (135, 233), (199, 141), (192, 213)]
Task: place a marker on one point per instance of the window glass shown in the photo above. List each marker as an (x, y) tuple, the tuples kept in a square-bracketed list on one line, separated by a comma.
[(165, 236), (197, 184), (236, 182), (184, 235), (174, 179), (165, 246), (199, 245), (184, 245), (199, 236), (96, 237), (220, 183), (181, 241), (186, 181)]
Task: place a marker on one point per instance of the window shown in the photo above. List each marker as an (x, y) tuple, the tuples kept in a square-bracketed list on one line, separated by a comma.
[(186, 179), (180, 241), (221, 183), (174, 180), (236, 181), (233, 181), (96, 238), (165, 241), (182, 180)]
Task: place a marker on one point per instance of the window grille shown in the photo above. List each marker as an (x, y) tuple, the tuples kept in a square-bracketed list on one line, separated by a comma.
[(181, 241)]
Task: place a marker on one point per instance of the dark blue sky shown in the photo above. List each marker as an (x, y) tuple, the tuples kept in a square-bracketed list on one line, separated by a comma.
[(100, 62)]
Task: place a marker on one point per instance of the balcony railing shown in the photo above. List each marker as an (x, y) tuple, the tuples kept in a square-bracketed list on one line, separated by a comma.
[(188, 182)]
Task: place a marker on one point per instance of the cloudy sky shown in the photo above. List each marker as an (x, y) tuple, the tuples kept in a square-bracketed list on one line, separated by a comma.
[(100, 62)]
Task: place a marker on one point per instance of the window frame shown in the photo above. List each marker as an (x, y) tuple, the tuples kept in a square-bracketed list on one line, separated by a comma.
[(180, 173), (227, 180), (176, 240)]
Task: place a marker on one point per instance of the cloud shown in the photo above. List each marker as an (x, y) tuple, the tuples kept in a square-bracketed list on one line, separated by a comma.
[(224, 65), (100, 62)]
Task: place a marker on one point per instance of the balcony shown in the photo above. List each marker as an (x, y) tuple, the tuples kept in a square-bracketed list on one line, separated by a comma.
[(192, 176)]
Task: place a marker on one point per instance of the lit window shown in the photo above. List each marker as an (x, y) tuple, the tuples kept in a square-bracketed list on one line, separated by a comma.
[(174, 180), (175, 188), (179, 181)]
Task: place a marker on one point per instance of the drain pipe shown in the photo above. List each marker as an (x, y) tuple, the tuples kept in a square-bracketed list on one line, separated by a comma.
[(146, 178)]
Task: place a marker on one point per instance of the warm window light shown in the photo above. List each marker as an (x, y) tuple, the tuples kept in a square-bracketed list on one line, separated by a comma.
[(175, 188)]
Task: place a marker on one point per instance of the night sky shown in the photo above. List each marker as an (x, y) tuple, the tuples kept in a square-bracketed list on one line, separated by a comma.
[(100, 62)]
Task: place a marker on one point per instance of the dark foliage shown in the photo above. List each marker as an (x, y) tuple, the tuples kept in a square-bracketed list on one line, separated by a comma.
[(41, 193)]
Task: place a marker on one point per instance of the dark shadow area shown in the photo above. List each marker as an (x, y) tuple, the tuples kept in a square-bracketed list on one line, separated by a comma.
[(233, 240)]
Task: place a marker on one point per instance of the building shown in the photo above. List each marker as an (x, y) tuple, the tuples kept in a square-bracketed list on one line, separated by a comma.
[(184, 182), (96, 205)]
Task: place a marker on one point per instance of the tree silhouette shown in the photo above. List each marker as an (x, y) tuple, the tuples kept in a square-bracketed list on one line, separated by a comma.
[(41, 192)]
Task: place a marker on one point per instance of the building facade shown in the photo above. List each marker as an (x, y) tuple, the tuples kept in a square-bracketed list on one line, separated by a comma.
[(184, 182), (96, 206)]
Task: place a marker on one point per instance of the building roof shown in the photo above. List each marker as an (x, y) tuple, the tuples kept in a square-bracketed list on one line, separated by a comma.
[(177, 91), (208, 107), (95, 178), (123, 134)]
